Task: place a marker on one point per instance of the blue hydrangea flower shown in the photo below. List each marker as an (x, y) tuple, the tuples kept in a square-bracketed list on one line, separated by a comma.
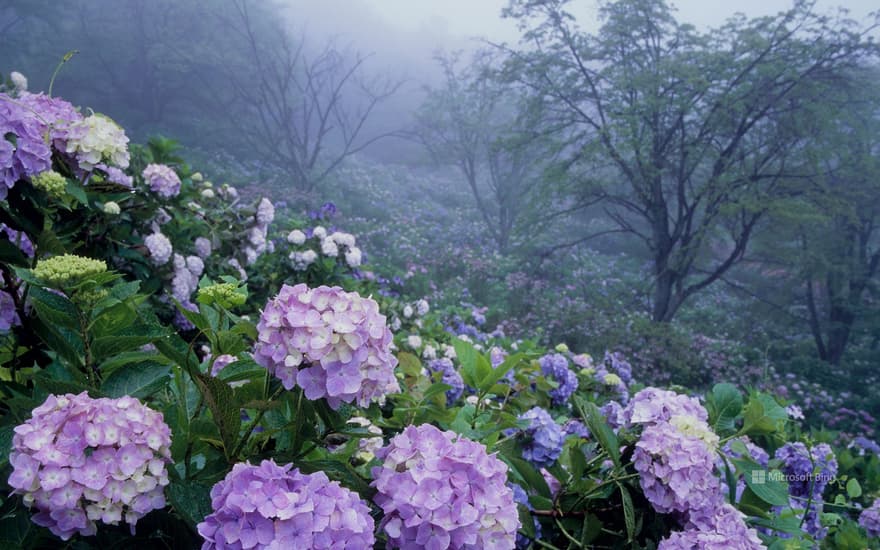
[(554, 366), (543, 437)]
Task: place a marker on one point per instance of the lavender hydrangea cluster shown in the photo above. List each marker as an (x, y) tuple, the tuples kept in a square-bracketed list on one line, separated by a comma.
[(870, 519), (864, 446), (675, 455), (808, 472), (333, 344), (542, 438), (162, 180), (187, 271), (615, 372), (80, 460), (159, 247), (28, 154), (448, 375), (554, 366), (440, 490), (718, 528), (272, 506)]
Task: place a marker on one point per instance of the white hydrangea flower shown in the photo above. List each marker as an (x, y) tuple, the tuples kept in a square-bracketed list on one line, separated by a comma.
[(96, 139), (430, 352), (414, 341), (319, 232), (296, 237), (343, 239), (407, 311), (207, 193), (353, 257), (19, 81), (112, 208), (329, 248), (422, 307)]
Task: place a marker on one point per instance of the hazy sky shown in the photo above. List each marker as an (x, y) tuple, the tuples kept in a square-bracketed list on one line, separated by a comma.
[(481, 17)]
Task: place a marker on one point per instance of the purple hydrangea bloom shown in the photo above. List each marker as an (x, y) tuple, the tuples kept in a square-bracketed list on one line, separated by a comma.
[(543, 437), (808, 473), (448, 375), (439, 490), (162, 179), (614, 414), (159, 247), (652, 405), (718, 528), (221, 362), (576, 428), (31, 153), (80, 460), (333, 344), (272, 506), (8, 315), (117, 176), (615, 362), (676, 469), (19, 239), (864, 445), (870, 519), (56, 113), (554, 366), (203, 247)]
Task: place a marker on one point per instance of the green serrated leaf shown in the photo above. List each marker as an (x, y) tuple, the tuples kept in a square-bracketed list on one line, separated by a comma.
[(138, 380), (599, 427), (192, 500)]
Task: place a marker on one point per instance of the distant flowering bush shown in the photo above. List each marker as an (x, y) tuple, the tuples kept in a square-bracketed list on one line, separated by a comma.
[(554, 366), (331, 343), (80, 460), (272, 506), (542, 438), (441, 490), (162, 180)]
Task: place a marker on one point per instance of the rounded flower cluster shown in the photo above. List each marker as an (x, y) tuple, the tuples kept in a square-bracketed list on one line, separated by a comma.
[(720, 528), (159, 247), (256, 235), (203, 247), (29, 154), (97, 139), (51, 182), (440, 490), (554, 366), (68, 269), (543, 437), (808, 472), (675, 454), (162, 179), (57, 114), (448, 375), (186, 279), (272, 506), (870, 519), (652, 405), (676, 469), (80, 460), (331, 343), (224, 294)]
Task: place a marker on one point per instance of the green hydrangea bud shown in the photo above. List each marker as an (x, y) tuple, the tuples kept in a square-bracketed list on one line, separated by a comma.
[(88, 297), (561, 348), (51, 182), (612, 379), (112, 208), (196, 177), (223, 294), (69, 268), (589, 371)]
